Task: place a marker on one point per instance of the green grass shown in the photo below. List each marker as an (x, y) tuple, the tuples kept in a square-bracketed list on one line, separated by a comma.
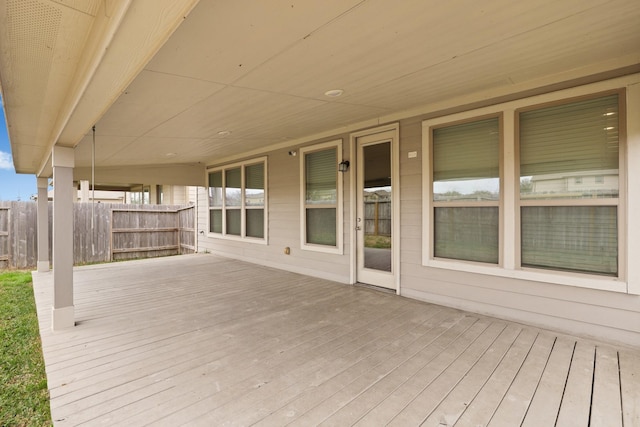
[(373, 241), (24, 398)]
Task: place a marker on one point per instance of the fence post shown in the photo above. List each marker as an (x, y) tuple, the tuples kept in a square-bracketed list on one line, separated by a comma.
[(111, 234), (179, 232), (7, 235)]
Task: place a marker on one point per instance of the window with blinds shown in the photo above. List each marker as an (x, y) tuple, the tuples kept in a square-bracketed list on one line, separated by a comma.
[(237, 200), (254, 194), (569, 188), (564, 148), (466, 190), (320, 196)]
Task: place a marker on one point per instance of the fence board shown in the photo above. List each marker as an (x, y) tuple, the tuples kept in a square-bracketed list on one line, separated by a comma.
[(4, 236), (377, 218), (131, 236), (153, 230), (18, 246)]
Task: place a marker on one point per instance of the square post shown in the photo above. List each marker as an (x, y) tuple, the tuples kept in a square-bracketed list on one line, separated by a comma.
[(63, 197), (43, 225)]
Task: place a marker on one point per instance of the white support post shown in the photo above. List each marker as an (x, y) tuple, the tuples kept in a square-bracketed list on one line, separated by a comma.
[(63, 196), (633, 189), (43, 225), (84, 191)]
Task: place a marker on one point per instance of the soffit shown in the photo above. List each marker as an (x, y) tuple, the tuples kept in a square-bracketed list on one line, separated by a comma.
[(269, 65), (42, 43)]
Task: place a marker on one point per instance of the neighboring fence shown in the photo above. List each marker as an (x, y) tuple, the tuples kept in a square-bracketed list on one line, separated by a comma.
[(102, 232), (377, 218), (148, 233), (18, 237)]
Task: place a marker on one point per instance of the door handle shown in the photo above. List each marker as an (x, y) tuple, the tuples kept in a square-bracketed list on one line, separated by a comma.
[(358, 228)]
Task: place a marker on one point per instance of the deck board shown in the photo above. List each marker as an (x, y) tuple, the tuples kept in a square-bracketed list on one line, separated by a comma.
[(482, 408), (576, 402), (630, 387), (606, 409), (545, 405), (202, 340), (454, 403)]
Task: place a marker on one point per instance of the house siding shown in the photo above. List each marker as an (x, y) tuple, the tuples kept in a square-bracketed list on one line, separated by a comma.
[(283, 224), (600, 314)]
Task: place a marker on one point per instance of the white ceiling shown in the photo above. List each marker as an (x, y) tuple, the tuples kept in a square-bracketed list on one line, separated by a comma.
[(259, 69)]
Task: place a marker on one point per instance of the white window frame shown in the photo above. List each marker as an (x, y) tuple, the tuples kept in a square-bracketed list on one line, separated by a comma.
[(510, 192), (454, 204), (338, 248), (617, 202), (243, 207)]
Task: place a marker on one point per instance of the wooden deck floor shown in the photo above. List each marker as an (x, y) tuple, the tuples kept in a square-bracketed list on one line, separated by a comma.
[(201, 340)]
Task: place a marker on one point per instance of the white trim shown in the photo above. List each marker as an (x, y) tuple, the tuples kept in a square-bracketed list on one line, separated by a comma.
[(62, 318), (535, 275), (62, 157), (395, 201), (594, 330), (293, 268), (43, 266), (339, 247), (512, 203), (633, 191)]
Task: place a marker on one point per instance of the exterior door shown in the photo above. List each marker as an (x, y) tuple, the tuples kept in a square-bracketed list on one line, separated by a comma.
[(375, 220)]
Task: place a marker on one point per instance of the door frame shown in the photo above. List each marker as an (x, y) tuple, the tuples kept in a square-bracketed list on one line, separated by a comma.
[(395, 200)]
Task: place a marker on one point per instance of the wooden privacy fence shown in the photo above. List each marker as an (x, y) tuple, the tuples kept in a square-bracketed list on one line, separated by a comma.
[(377, 218), (141, 231), (18, 239), (145, 233)]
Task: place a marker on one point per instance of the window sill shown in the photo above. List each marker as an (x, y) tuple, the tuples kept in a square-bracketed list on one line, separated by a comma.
[(324, 249), (557, 278), (254, 240)]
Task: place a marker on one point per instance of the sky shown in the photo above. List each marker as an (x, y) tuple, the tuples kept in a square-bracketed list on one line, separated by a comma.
[(13, 186)]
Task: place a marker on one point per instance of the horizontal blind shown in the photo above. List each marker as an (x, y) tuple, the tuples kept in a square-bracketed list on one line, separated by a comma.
[(232, 190), (215, 179), (254, 223), (321, 176), (576, 137), (467, 233), (321, 226), (254, 176), (233, 178), (467, 151), (570, 238), (215, 189)]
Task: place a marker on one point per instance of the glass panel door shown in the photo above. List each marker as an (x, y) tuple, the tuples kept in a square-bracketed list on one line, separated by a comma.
[(376, 196), (374, 222)]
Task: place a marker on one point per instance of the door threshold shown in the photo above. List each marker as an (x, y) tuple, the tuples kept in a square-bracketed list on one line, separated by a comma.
[(376, 288)]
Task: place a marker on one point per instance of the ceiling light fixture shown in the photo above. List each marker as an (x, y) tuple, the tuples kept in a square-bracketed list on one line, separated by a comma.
[(334, 93), (170, 154), (224, 133)]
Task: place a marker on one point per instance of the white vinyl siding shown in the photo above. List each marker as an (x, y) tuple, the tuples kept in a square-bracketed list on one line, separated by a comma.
[(237, 201), (321, 197)]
